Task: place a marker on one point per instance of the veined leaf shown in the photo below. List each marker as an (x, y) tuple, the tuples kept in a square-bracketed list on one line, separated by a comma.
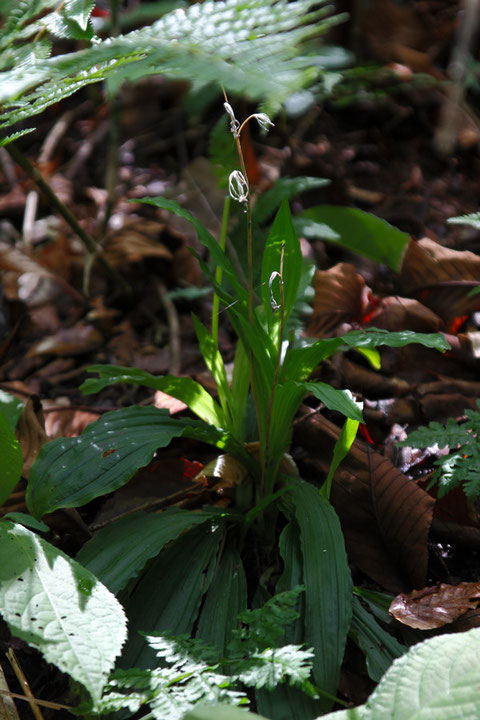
[(59, 608), (72, 471), (167, 598), (342, 446), (373, 337), (12, 460), (473, 220), (328, 584), (183, 388), (218, 255), (11, 407), (437, 678), (284, 187), (250, 47), (281, 235), (359, 231), (225, 599), (214, 362), (340, 400), (379, 647), (221, 712), (118, 552)]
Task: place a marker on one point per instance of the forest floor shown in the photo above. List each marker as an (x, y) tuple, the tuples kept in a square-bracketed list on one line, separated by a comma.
[(59, 315)]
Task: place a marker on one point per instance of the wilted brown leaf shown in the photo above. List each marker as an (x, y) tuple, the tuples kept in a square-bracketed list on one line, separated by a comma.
[(136, 240), (398, 313), (338, 298), (433, 607), (441, 277), (75, 340), (30, 432), (385, 516)]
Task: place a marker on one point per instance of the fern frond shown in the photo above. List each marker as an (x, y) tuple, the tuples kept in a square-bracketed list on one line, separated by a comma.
[(473, 220), (249, 46)]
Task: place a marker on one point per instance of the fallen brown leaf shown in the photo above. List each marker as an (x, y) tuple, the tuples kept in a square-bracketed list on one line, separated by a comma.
[(338, 298), (433, 607)]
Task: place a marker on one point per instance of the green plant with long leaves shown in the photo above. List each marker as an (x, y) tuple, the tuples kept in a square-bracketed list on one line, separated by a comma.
[(195, 573)]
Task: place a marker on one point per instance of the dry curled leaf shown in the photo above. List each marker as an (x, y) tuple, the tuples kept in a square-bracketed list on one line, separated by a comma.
[(433, 607)]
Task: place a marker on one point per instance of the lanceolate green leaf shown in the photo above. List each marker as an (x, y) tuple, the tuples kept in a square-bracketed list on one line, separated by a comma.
[(183, 388), (359, 231), (11, 407), (373, 337), (226, 597), (218, 255), (58, 607), (340, 400), (72, 471), (12, 461), (284, 187), (281, 235), (438, 678), (214, 362), (328, 584), (378, 646), (118, 552), (342, 446), (167, 599)]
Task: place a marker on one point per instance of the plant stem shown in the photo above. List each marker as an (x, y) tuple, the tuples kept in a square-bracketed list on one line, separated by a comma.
[(218, 271), (90, 244), (267, 481)]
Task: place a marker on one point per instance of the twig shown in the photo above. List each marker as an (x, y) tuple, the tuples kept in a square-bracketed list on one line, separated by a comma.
[(62, 209), (44, 703), (12, 659)]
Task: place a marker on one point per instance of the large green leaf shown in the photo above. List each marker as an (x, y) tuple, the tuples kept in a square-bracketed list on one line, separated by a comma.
[(167, 598), (251, 47), (437, 679), (282, 235), (72, 471), (300, 362), (183, 388), (118, 552), (12, 461), (284, 187), (328, 584), (221, 712), (226, 598), (59, 608), (358, 231)]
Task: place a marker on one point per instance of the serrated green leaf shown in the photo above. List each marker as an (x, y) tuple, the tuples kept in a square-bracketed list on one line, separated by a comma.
[(59, 608), (438, 678), (221, 712), (14, 136), (473, 220), (281, 235), (12, 460), (183, 388), (167, 598), (118, 552), (328, 584), (251, 48), (359, 231)]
